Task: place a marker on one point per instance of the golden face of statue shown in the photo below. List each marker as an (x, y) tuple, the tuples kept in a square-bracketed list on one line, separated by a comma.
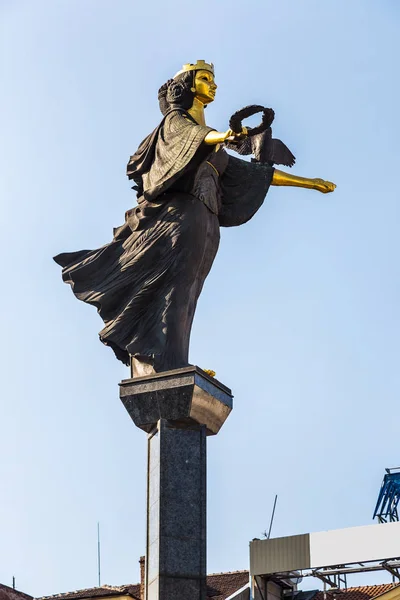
[(205, 86)]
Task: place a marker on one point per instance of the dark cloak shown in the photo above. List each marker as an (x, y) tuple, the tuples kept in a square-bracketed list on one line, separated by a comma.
[(146, 282)]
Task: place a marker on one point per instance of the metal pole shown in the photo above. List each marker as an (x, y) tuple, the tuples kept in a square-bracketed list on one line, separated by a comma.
[(272, 517), (98, 550)]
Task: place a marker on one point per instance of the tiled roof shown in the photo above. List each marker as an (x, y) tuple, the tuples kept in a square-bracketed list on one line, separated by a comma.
[(8, 593), (219, 587), (366, 592), (222, 585), (99, 592)]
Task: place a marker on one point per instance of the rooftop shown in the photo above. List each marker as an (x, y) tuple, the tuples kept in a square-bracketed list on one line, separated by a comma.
[(219, 587), (8, 593), (365, 592)]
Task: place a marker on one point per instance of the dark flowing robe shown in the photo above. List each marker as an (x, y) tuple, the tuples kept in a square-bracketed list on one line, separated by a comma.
[(146, 282)]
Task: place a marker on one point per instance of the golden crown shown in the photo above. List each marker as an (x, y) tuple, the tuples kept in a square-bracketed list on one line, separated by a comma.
[(201, 65)]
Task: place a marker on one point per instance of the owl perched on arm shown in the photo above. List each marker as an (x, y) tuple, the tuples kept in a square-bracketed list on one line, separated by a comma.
[(259, 141)]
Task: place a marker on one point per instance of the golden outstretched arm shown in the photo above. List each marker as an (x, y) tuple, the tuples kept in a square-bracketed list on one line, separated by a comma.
[(282, 178)]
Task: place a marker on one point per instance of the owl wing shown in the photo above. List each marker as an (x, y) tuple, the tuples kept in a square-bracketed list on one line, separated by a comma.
[(281, 155), (243, 147), (262, 146)]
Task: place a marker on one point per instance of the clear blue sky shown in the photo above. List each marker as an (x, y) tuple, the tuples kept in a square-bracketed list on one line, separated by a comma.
[(300, 315)]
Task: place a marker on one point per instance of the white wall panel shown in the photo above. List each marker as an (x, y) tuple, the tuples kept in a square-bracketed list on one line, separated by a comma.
[(325, 549), (356, 544)]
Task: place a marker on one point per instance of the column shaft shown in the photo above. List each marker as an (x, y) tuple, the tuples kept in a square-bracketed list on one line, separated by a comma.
[(176, 513)]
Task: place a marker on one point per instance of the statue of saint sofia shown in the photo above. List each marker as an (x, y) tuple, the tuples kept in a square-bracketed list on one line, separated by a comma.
[(146, 282)]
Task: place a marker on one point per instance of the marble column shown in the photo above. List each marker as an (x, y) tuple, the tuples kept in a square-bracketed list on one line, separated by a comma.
[(178, 409)]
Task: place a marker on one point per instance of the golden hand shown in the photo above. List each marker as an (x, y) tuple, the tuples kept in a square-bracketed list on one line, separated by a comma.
[(218, 137), (324, 186), (237, 137)]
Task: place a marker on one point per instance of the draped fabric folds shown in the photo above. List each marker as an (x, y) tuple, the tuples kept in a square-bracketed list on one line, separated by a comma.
[(146, 282)]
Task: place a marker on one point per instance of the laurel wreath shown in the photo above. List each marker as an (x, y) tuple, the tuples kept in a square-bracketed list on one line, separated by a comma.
[(235, 122)]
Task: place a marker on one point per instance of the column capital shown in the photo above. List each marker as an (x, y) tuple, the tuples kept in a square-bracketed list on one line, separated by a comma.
[(185, 397)]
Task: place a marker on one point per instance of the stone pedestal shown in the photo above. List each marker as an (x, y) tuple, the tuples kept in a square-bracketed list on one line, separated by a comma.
[(178, 409)]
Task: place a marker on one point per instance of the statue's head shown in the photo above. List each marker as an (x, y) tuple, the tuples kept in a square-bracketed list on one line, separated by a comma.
[(193, 81)]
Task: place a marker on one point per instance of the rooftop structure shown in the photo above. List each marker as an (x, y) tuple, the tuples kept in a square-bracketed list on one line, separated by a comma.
[(389, 497), (328, 555)]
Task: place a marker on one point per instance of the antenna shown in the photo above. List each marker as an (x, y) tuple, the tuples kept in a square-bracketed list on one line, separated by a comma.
[(98, 552), (13, 582), (272, 517)]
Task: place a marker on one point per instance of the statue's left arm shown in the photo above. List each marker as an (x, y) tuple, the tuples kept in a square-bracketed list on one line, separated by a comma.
[(282, 178), (245, 184)]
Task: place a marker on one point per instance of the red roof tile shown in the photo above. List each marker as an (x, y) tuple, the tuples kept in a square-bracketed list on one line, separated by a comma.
[(366, 592), (222, 585), (99, 592), (219, 587), (8, 593)]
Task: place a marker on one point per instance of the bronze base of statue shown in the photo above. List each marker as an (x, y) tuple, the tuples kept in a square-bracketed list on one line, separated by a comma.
[(140, 367)]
